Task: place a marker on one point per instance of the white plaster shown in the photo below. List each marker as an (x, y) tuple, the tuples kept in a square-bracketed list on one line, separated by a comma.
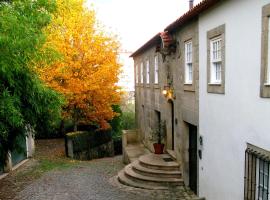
[(228, 122)]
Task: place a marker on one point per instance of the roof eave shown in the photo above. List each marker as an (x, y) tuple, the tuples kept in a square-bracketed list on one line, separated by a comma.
[(191, 14)]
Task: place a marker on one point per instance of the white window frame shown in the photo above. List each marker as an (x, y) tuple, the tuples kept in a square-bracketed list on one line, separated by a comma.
[(147, 72), (267, 80), (188, 62), (141, 72), (156, 69), (137, 73), (216, 60)]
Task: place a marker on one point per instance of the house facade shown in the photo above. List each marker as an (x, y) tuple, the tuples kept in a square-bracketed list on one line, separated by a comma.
[(211, 88)]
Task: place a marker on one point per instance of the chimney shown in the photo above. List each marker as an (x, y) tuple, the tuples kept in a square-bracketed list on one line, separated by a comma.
[(191, 4)]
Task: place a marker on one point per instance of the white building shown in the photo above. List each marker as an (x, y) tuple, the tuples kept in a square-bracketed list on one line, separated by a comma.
[(233, 140), (238, 114)]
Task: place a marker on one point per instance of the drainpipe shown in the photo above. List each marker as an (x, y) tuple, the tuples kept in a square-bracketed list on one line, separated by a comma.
[(191, 4)]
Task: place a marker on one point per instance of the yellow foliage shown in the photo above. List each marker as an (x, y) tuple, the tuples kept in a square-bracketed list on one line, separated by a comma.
[(88, 71)]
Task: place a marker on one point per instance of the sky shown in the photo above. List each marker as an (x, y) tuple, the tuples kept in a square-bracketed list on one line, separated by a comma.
[(137, 21)]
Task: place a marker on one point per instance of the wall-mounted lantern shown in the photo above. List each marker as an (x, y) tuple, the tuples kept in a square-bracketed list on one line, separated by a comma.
[(168, 92)]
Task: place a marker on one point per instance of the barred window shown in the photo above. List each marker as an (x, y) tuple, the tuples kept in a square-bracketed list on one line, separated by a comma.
[(257, 163)]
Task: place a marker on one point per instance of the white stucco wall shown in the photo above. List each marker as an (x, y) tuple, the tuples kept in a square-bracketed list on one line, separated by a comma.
[(228, 122)]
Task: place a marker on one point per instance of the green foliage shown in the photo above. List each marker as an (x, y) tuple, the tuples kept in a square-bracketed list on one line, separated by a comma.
[(159, 132), (116, 123), (24, 99), (128, 120), (85, 140), (128, 116)]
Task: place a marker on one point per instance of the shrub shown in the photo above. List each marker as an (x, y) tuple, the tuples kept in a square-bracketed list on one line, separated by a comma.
[(90, 144), (128, 120), (116, 123), (24, 99)]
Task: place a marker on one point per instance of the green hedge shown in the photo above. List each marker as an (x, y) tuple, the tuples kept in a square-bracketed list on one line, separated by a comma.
[(85, 140)]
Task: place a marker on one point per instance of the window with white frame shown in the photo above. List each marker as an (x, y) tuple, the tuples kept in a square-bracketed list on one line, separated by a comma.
[(188, 63), (137, 73), (265, 53), (147, 72), (216, 60), (141, 72), (268, 56), (156, 69)]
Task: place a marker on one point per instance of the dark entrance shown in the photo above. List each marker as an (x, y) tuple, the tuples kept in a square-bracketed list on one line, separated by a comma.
[(157, 120), (19, 154), (1, 169), (193, 162), (172, 121)]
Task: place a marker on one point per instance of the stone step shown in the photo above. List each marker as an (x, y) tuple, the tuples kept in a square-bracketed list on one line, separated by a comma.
[(155, 172), (159, 162), (156, 181), (122, 178)]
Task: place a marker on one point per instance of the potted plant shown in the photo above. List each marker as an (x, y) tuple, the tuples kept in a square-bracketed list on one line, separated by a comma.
[(159, 134)]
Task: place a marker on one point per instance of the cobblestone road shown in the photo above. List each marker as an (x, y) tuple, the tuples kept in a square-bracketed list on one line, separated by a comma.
[(90, 181), (86, 180)]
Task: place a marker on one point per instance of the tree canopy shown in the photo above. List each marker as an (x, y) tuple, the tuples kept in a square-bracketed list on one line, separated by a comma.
[(88, 70), (24, 99)]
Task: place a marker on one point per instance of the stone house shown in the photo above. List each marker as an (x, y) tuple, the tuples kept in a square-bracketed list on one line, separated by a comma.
[(209, 83)]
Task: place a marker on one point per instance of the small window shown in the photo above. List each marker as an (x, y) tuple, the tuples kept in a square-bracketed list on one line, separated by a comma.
[(268, 56), (141, 72), (265, 55), (188, 63), (257, 167), (156, 69), (147, 72), (216, 60), (137, 73)]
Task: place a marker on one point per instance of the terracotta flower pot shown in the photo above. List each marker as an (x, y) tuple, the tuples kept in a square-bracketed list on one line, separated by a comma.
[(158, 148)]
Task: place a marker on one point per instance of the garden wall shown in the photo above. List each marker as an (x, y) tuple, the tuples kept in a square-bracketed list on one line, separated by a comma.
[(88, 145)]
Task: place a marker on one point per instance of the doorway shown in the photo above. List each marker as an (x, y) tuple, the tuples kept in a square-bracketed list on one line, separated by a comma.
[(172, 122), (193, 158)]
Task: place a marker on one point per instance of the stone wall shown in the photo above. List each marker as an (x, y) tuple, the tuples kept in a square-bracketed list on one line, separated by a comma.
[(149, 99), (84, 145)]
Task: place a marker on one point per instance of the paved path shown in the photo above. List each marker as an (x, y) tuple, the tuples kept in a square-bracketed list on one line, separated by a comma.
[(88, 180)]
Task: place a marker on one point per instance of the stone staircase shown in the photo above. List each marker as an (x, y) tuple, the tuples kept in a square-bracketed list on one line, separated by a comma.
[(152, 171)]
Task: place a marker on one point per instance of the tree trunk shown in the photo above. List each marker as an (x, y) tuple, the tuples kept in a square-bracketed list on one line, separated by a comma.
[(75, 126), (62, 128)]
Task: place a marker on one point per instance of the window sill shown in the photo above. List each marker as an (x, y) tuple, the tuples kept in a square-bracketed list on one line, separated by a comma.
[(156, 86), (188, 83), (267, 84), (215, 84)]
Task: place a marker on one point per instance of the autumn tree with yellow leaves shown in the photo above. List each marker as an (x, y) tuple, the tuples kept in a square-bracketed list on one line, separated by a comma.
[(88, 68)]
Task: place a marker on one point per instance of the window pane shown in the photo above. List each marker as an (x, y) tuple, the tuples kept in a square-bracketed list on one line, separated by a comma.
[(217, 72), (188, 63), (156, 69), (137, 73), (147, 72), (141, 72)]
